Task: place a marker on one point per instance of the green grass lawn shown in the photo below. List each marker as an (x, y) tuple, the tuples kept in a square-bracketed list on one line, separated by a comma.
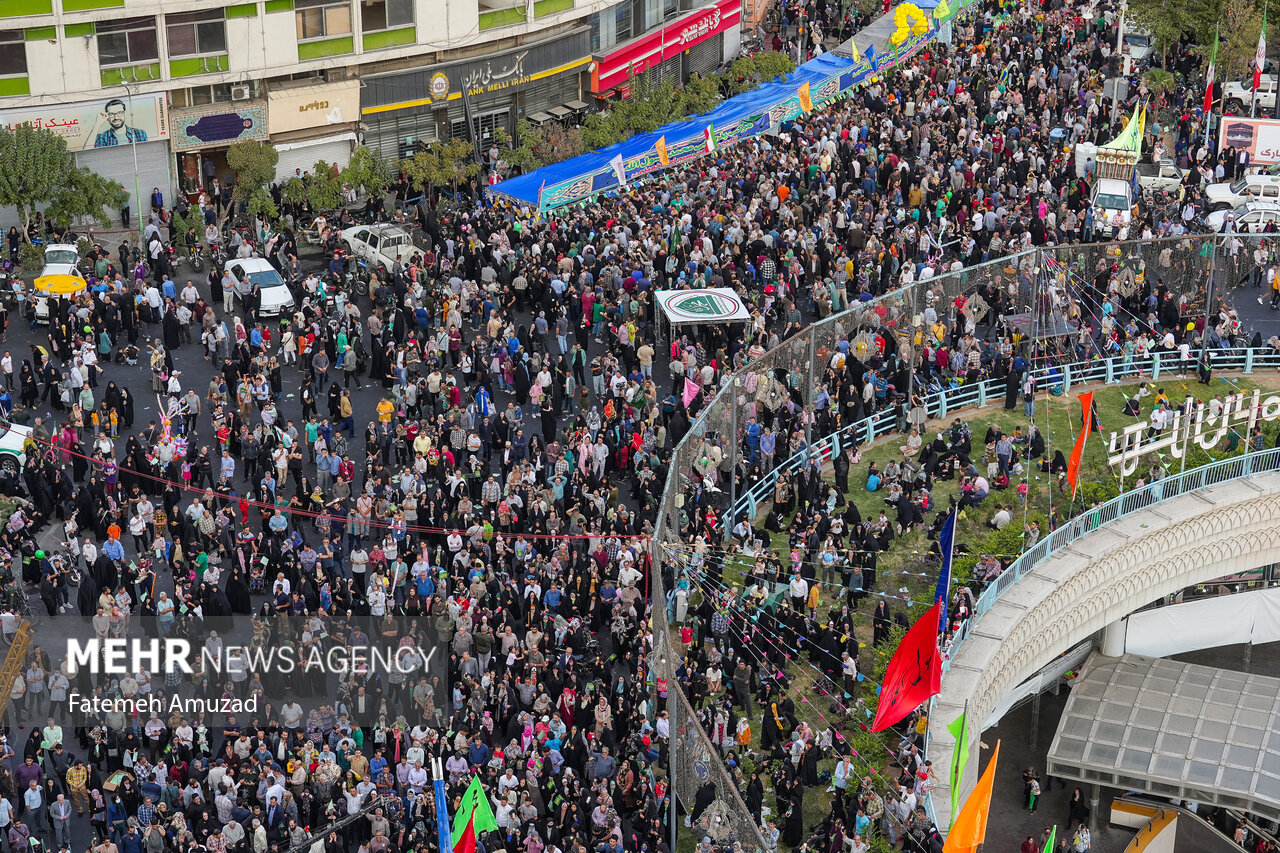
[(907, 576)]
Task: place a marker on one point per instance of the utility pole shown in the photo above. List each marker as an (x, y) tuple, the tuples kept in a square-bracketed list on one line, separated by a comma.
[(1122, 65)]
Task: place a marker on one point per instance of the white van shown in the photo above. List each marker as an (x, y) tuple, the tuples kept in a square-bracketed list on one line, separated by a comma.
[(1112, 201)]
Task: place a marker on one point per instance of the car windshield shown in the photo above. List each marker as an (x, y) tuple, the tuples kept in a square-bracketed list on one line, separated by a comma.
[(1111, 201), (61, 256), (1141, 41), (1238, 186), (266, 278)]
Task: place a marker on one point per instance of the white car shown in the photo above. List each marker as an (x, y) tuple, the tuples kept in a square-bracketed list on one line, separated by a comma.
[(1249, 218), (1137, 44), (1236, 97), (277, 298), (379, 245), (1226, 196), (61, 259), (13, 457), (1112, 200)]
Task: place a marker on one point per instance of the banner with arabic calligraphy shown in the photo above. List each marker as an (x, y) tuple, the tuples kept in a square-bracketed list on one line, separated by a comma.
[(98, 124)]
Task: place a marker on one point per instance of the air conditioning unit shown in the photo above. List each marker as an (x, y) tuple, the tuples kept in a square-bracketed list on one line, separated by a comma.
[(241, 93)]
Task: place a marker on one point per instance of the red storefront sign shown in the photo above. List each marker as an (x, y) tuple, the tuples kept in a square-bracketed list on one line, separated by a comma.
[(662, 44)]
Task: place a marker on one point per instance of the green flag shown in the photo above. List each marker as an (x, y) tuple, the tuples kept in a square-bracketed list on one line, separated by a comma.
[(1053, 835), (959, 758), (474, 803)]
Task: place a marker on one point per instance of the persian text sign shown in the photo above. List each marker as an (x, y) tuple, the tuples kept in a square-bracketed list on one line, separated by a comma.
[(1194, 422)]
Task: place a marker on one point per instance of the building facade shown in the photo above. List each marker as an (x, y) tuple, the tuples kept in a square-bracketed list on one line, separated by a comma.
[(153, 92)]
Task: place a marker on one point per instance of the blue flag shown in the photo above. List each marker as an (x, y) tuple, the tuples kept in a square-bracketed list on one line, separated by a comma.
[(946, 539), (870, 54)]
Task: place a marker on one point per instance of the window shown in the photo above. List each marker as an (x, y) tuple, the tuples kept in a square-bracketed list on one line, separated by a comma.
[(196, 33), (13, 54), (322, 19), (622, 22), (127, 42), (201, 96), (385, 14)]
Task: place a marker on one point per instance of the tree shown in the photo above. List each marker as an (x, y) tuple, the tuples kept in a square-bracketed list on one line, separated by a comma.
[(85, 193), (255, 166), (366, 172), (36, 169), (260, 204), (1166, 20), (424, 169), (1242, 19), (458, 157), (324, 187)]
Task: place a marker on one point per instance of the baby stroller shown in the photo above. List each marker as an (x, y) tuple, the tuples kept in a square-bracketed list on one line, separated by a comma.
[(257, 574)]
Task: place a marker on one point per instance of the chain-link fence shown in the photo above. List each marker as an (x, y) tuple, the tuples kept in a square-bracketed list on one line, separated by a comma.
[(1042, 297)]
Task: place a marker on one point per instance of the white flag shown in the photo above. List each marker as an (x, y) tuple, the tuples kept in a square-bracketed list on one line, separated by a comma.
[(619, 170)]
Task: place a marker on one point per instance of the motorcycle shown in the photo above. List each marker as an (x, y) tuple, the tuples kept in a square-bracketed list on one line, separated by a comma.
[(358, 277), (195, 257)]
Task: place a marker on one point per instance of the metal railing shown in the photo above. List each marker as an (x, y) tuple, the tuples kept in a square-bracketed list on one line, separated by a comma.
[(803, 359), (979, 394)]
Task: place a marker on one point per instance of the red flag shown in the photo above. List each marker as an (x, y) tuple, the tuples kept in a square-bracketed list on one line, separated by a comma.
[(1073, 464), (467, 843), (914, 674)]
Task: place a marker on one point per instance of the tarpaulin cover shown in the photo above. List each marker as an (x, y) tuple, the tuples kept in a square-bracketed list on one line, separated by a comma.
[(741, 117)]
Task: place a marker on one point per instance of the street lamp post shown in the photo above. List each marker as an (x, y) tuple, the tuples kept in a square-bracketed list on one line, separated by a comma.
[(1122, 65), (133, 147)]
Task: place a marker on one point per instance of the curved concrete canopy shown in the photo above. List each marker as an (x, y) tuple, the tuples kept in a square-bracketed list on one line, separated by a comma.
[(1097, 580)]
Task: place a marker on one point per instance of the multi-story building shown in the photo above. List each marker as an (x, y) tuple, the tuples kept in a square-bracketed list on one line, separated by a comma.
[(153, 92)]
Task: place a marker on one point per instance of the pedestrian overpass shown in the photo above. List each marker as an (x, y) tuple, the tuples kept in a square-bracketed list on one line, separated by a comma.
[(1098, 569)]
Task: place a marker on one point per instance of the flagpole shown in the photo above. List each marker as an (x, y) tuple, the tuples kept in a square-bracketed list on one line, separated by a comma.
[(1258, 62), (1208, 117)]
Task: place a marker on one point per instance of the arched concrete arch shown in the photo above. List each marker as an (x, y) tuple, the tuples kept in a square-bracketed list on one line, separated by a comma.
[(1097, 580)]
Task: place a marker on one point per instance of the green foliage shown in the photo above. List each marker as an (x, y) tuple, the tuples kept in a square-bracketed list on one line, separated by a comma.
[(260, 204), (880, 844), (30, 257), (366, 172), (1095, 491), (442, 163), (653, 104), (293, 192), (255, 166), (1159, 82), (36, 169), (324, 187), (180, 226)]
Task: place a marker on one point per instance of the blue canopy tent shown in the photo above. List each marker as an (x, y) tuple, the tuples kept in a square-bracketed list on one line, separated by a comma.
[(744, 116), (740, 117)]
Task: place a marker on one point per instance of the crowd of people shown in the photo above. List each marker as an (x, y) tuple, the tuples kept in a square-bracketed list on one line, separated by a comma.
[(470, 461)]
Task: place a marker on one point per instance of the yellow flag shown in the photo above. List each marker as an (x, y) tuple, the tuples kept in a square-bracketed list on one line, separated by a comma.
[(806, 102), (661, 145), (970, 827)]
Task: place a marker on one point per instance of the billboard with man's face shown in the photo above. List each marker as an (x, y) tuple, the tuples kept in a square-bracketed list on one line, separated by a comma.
[(98, 124)]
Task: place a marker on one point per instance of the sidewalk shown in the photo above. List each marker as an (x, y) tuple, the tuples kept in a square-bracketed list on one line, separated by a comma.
[(1010, 822)]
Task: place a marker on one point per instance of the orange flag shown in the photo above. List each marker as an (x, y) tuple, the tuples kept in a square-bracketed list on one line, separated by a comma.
[(1073, 464), (969, 829), (806, 100), (661, 145)]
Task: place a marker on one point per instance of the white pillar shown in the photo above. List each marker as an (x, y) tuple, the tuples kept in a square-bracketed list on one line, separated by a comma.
[(1113, 638)]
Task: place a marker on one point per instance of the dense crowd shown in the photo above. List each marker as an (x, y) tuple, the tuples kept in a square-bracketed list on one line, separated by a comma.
[(492, 496)]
